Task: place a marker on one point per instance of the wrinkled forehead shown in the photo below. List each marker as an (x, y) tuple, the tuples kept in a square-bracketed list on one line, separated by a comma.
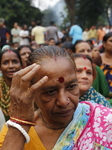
[(57, 69)]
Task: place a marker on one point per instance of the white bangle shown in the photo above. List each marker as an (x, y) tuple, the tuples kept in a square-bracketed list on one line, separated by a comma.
[(17, 126)]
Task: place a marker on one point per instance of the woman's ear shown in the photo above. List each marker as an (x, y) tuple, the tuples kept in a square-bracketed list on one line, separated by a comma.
[(104, 44)]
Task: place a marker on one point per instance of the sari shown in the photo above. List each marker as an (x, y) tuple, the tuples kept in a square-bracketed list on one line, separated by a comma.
[(90, 128), (93, 95)]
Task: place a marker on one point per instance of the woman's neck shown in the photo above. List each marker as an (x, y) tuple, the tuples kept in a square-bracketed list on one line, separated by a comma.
[(107, 58), (8, 81)]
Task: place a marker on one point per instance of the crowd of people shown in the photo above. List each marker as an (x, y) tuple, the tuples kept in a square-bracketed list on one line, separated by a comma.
[(55, 87)]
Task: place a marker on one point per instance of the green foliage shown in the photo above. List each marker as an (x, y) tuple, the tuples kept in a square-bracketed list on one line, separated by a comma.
[(89, 11), (19, 11)]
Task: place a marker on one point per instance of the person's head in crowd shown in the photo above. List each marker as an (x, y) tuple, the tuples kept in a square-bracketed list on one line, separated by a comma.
[(15, 25), (39, 23), (34, 45), (90, 42), (52, 23), (33, 23), (107, 42), (68, 47), (6, 47), (44, 44), (85, 72), (24, 27), (24, 52), (10, 62), (59, 44), (51, 41), (95, 51), (82, 47), (1, 22), (15, 45)]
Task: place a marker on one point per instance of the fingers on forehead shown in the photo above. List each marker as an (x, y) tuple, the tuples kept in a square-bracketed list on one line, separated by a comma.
[(22, 72), (37, 85)]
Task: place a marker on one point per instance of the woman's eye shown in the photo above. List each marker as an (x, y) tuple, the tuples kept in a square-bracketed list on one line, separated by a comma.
[(51, 92), (78, 70), (5, 62), (71, 87), (89, 72), (15, 61)]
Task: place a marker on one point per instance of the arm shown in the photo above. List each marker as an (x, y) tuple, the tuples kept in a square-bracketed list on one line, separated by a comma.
[(22, 105)]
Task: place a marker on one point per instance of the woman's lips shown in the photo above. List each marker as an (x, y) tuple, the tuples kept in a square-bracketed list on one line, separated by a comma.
[(83, 82), (11, 72), (65, 113)]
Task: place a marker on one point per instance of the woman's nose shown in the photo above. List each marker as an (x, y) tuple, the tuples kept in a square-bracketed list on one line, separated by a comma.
[(84, 74), (10, 64), (62, 100)]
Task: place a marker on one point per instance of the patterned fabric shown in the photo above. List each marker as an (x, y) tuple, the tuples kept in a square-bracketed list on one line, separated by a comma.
[(93, 95), (107, 70), (90, 129), (4, 97)]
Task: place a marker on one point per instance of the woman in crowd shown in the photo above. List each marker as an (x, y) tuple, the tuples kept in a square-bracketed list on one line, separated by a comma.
[(100, 83), (61, 122), (24, 52), (104, 61), (10, 62), (86, 75), (95, 52)]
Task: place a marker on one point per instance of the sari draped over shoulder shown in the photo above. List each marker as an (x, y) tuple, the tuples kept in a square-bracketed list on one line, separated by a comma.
[(93, 95), (91, 128)]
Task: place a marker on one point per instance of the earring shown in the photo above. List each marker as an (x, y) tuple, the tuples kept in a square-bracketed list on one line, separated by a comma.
[(68, 99)]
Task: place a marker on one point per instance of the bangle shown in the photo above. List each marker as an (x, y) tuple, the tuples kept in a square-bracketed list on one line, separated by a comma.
[(17, 126), (20, 121)]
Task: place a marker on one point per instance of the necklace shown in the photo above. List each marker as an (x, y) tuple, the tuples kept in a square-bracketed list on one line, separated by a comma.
[(53, 128)]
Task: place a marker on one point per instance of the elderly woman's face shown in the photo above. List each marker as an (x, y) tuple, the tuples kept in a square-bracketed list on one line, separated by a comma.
[(108, 44), (84, 74), (52, 97)]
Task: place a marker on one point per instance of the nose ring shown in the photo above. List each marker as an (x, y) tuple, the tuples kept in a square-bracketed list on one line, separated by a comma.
[(68, 99)]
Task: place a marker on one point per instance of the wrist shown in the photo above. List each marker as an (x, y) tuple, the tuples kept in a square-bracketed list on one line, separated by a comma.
[(21, 130)]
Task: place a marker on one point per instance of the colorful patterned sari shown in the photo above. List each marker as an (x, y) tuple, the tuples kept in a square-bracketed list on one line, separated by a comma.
[(93, 95), (107, 70)]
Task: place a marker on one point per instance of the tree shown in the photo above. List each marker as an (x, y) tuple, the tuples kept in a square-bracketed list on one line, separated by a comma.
[(108, 11), (71, 6), (89, 11), (19, 11)]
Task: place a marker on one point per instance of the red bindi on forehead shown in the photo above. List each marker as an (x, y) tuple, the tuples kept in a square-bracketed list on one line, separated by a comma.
[(85, 68), (61, 79), (9, 51), (84, 57)]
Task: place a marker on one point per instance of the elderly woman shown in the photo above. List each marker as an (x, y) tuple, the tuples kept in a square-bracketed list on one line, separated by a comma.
[(86, 75), (61, 122), (10, 62)]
